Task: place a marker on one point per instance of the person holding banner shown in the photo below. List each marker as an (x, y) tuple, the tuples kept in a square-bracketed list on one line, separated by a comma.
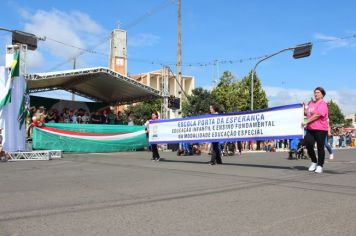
[(316, 129), (215, 154), (154, 149), (239, 147)]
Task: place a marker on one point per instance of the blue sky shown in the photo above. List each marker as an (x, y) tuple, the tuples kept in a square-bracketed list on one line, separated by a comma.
[(225, 31)]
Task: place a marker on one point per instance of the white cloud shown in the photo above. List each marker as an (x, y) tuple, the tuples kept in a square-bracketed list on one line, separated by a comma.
[(74, 28), (24, 13), (83, 22), (344, 97), (35, 59), (143, 40), (333, 42)]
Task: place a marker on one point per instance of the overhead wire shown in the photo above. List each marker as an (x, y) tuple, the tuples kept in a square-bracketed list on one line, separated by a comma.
[(192, 64), (83, 50), (131, 24), (335, 39), (234, 61)]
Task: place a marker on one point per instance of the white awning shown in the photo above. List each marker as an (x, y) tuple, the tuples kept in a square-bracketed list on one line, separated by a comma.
[(98, 84)]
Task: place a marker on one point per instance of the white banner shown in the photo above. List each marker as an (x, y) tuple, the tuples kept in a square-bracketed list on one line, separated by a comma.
[(14, 138), (283, 122)]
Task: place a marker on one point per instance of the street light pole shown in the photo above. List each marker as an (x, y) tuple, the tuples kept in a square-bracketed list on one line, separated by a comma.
[(179, 52), (254, 70), (300, 51)]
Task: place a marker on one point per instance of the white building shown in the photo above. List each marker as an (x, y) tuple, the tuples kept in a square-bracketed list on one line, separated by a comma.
[(154, 79), (351, 117)]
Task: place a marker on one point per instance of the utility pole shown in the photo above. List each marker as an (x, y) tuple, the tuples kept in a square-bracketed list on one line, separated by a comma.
[(165, 91), (74, 67), (179, 54)]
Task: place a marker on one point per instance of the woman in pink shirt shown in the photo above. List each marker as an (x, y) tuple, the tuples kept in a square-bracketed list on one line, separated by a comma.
[(316, 129)]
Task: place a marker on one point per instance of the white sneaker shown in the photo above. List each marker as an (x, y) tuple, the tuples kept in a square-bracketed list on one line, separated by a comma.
[(331, 156), (312, 167), (319, 169)]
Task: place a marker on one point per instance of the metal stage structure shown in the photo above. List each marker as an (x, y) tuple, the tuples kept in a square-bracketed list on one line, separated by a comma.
[(97, 84), (44, 155)]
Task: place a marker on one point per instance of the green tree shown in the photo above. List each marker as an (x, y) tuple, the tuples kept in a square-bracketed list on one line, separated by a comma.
[(142, 111), (225, 93), (197, 103), (260, 100), (230, 95), (336, 118)]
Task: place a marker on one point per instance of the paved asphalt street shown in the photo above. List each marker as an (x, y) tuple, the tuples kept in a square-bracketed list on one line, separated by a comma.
[(127, 194)]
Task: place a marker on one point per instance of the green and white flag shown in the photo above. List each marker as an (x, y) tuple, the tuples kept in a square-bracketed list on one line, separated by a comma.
[(24, 110), (5, 98)]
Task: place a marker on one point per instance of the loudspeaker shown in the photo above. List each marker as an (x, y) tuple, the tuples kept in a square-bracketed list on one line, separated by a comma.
[(24, 38)]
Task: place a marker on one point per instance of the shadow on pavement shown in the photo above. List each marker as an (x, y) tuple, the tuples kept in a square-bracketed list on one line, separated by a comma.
[(233, 164), (299, 168), (184, 161), (259, 166), (305, 168)]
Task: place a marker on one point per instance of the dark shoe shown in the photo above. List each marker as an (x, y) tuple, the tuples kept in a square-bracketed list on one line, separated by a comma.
[(158, 159), (153, 159), (211, 163)]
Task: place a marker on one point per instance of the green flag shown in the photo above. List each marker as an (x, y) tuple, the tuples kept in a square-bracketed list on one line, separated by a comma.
[(5, 98), (24, 110)]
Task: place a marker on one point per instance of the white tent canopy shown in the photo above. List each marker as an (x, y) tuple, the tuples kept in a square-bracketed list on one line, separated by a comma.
[(98, 84)]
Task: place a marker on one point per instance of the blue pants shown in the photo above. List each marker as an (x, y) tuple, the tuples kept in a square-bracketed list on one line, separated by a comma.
[(327, 145), (185, 147)]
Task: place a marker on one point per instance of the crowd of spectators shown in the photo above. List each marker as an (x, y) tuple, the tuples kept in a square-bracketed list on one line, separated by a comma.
[(341, 138), (80, 116), (40, 115)]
